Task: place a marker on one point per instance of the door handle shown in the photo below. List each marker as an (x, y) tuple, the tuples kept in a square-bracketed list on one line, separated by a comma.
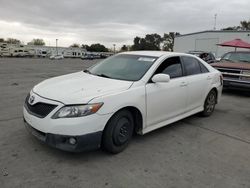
[(209, 78), (183, 84)]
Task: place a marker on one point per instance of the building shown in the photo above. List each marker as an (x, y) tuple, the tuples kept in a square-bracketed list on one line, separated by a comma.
[(208, 40)]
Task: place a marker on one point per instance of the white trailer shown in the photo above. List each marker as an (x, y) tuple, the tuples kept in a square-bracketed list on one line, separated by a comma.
[(208, 40), (15, 50), (47, 51)]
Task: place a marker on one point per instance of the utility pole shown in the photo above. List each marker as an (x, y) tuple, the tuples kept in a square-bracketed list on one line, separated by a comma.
[(114, 48), (56, 47), (215, 20)]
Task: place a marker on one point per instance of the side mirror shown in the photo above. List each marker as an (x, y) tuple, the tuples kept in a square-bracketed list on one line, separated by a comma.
[(218, 59), (161, 78)]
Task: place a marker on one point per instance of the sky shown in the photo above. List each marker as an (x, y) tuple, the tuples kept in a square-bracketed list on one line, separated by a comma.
[(113, 21)]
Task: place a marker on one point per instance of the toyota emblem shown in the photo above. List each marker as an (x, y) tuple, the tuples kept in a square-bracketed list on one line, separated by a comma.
[(31, 99)]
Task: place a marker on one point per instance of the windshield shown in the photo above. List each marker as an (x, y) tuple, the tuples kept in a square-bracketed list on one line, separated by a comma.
[(123, 67), (237, 56)]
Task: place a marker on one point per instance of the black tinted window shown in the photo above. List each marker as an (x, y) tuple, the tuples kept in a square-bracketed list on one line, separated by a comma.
[(203, 68), (171, 66), (212, 56), (191, 66)]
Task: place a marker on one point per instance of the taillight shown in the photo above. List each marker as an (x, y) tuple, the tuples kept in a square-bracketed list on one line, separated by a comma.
[(221, 79)]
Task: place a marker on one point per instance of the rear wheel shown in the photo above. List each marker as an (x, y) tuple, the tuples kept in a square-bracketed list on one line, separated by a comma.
[(118, 132), (210, 103)]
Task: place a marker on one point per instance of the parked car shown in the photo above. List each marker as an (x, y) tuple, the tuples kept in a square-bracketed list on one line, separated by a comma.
[(235, 67), (91, 56), (206, 56), (88, 56), (131, 92), (57, 57), (103, 55), (43, 53)]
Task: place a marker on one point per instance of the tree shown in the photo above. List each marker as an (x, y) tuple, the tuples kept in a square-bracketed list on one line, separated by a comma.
[(98, 48), (95, 48), (232, 28), (245, 25), (85, 46), (13, 41), (168, 41), (1, 39), (124, 48), (37, 42), (75, 45), (153, 41), (136, 45), (150, 42)]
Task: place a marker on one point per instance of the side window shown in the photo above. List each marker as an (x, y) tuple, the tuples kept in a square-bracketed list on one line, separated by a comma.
[(226, 56), (212, 56), (171, 66), (191, 65)]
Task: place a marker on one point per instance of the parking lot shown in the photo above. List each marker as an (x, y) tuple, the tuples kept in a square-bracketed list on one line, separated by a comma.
[(194, 152)]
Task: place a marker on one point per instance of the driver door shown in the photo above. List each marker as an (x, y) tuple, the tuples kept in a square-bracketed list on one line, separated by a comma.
[(166, 100)]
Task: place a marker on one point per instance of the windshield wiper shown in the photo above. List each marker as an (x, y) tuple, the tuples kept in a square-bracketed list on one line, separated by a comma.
[(87, 71), (244, 61), (103, 75)]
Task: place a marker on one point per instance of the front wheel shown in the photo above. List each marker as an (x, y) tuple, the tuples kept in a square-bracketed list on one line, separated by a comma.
[(118, 132), (209, 104)]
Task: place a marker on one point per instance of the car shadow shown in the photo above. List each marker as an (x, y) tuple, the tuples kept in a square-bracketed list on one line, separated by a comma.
[(160, 131), (100, 154), (236, 92)]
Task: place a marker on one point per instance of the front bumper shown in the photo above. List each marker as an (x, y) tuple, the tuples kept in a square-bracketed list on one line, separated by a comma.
[(85, 142), (237, 84)]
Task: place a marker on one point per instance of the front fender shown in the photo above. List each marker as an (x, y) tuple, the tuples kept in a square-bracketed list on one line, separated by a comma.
[(133, 97)]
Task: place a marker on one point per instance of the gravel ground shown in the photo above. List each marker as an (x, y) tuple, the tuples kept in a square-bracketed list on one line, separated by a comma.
[(195, 152)]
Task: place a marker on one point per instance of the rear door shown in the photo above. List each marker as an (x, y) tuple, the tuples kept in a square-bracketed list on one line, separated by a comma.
[(198, 78)]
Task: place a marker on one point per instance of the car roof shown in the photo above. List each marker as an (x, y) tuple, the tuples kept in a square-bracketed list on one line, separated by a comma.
[(196, 51), (199, 52), (152, 53), (239, 52)]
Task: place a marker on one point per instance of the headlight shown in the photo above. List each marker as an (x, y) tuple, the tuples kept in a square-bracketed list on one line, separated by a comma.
[(77, 110)]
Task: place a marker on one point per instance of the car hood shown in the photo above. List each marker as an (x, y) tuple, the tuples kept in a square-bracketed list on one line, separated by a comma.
[(229, 64), (79, 88)]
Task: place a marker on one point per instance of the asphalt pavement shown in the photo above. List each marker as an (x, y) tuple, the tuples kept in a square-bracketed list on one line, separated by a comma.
[(194, 152)]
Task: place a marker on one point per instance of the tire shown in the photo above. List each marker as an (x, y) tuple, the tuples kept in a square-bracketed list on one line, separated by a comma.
[(209, 103), (118, 132)]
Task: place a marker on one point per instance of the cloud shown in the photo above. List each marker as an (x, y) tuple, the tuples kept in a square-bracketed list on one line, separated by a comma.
[(113, 21)]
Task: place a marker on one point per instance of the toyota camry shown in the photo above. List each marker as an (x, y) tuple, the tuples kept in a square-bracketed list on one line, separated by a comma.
[(128, 93)]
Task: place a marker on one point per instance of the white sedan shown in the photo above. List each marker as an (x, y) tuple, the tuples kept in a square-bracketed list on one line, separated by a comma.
[(131, 92)]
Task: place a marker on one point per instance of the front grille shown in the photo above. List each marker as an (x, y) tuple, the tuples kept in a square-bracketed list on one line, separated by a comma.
[(39, 109), (233, 71)]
